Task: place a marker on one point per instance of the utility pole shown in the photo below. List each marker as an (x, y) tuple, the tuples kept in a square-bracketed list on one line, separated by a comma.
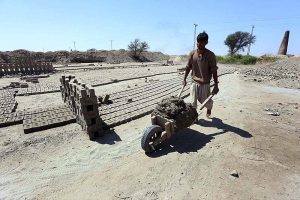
[(111, 44), (250, 43), (74, 46), (195, 34)]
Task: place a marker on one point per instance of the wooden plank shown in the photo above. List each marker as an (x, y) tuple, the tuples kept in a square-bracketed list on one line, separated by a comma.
[(153, 120), (168, 128)]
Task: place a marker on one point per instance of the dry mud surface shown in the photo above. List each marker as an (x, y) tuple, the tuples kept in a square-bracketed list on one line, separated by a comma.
[(243, 136)]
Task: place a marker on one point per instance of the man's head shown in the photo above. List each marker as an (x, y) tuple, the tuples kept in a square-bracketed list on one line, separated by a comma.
[(202, 40)]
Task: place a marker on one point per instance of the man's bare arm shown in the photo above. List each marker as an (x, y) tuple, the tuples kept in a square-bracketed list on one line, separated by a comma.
[(216, 88), (186, 73), (215, 77)]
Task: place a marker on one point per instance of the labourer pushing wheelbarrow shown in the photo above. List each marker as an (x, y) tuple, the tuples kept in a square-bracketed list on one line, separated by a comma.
[(203, 64), (172, 114)]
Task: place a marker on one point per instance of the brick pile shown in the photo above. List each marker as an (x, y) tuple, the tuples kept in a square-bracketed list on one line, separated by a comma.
[(82, 101), (25, 68)]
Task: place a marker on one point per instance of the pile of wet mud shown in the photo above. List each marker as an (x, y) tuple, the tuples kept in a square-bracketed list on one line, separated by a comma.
[(183, 114)]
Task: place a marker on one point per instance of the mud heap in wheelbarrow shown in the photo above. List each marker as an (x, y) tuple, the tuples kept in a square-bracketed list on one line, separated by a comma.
[(176, 109)]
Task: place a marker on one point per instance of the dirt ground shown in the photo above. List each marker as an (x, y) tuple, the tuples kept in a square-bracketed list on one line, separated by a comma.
[(243, 135)]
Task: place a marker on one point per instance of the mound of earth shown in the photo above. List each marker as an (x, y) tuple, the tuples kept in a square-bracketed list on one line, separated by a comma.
[(114, 56), (181, 59), (175, 108), (284, 73)]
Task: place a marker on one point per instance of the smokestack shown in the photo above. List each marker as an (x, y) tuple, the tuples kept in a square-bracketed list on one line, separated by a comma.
[(284, 44)]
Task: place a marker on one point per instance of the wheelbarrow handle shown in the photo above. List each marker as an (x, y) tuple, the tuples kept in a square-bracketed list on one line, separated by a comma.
[(206, 100), (179, 94)]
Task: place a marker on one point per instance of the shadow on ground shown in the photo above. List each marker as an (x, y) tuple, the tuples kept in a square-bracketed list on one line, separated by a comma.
[(185, 141), (189, 140), (110, 137), (218, 123)]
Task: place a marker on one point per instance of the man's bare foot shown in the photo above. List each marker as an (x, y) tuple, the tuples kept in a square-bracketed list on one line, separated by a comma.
[(208, 113)]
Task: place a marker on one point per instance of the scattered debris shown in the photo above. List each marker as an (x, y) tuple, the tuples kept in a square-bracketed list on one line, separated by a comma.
[(5, 143), (234, 173), (114, 80), (106, 98), (129, 100), (24, 85), (273, 113), (34, 80)]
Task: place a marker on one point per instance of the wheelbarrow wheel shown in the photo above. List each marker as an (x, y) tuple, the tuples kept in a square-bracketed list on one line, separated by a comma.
[(151, 134)]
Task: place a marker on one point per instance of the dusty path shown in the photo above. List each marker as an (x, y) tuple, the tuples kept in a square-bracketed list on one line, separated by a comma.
[(62, 163)]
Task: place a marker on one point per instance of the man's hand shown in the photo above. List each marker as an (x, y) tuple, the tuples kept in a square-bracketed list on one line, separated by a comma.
[(215, 90), (184, 82)]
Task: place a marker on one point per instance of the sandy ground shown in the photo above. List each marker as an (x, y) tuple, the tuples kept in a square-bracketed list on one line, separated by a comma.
[(61, 163)]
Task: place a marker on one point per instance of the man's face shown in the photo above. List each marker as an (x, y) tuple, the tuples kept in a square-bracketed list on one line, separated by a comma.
[(201, 44)]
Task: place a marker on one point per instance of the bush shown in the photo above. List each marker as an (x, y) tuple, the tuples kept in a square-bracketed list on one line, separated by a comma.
[(237, 59), (227, 60), (220, 59), (248, 60), (237, 56)]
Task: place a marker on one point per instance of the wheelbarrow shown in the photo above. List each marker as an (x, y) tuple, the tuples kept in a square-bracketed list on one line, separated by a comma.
[(162, 129)]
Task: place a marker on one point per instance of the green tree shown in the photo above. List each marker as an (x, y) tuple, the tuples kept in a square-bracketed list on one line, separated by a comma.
[(137, 47), (238, 41)]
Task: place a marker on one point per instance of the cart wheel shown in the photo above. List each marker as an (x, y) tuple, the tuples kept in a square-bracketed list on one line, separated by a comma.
[(151, 134)]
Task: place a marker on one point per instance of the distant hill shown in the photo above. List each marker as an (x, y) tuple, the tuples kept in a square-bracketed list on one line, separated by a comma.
[(182, 59), (114, 56)]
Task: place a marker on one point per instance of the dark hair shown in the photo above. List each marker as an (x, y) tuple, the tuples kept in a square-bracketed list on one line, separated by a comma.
[(202, 36)]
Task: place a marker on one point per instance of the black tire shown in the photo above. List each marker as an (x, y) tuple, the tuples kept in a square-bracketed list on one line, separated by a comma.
[(151, 134)]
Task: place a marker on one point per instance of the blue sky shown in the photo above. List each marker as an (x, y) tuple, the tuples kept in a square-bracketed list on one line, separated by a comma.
[(167, 25)]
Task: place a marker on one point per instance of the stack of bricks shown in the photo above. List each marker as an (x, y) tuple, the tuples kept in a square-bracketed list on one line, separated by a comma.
[(82, 100), (25, 68)]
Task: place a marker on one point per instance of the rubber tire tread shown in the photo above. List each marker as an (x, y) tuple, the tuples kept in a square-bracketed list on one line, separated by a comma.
[(148, 132)]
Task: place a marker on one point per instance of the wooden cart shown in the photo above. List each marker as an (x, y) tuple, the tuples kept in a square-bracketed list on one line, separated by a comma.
[(161, 130)]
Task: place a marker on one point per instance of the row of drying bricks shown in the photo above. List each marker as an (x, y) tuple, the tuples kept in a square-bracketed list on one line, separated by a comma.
[(131, 107), (39, 119), (48, 119), (8, 104), (134, 113)]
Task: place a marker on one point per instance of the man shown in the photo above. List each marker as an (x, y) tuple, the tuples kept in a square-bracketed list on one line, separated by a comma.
[(203, 64)]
